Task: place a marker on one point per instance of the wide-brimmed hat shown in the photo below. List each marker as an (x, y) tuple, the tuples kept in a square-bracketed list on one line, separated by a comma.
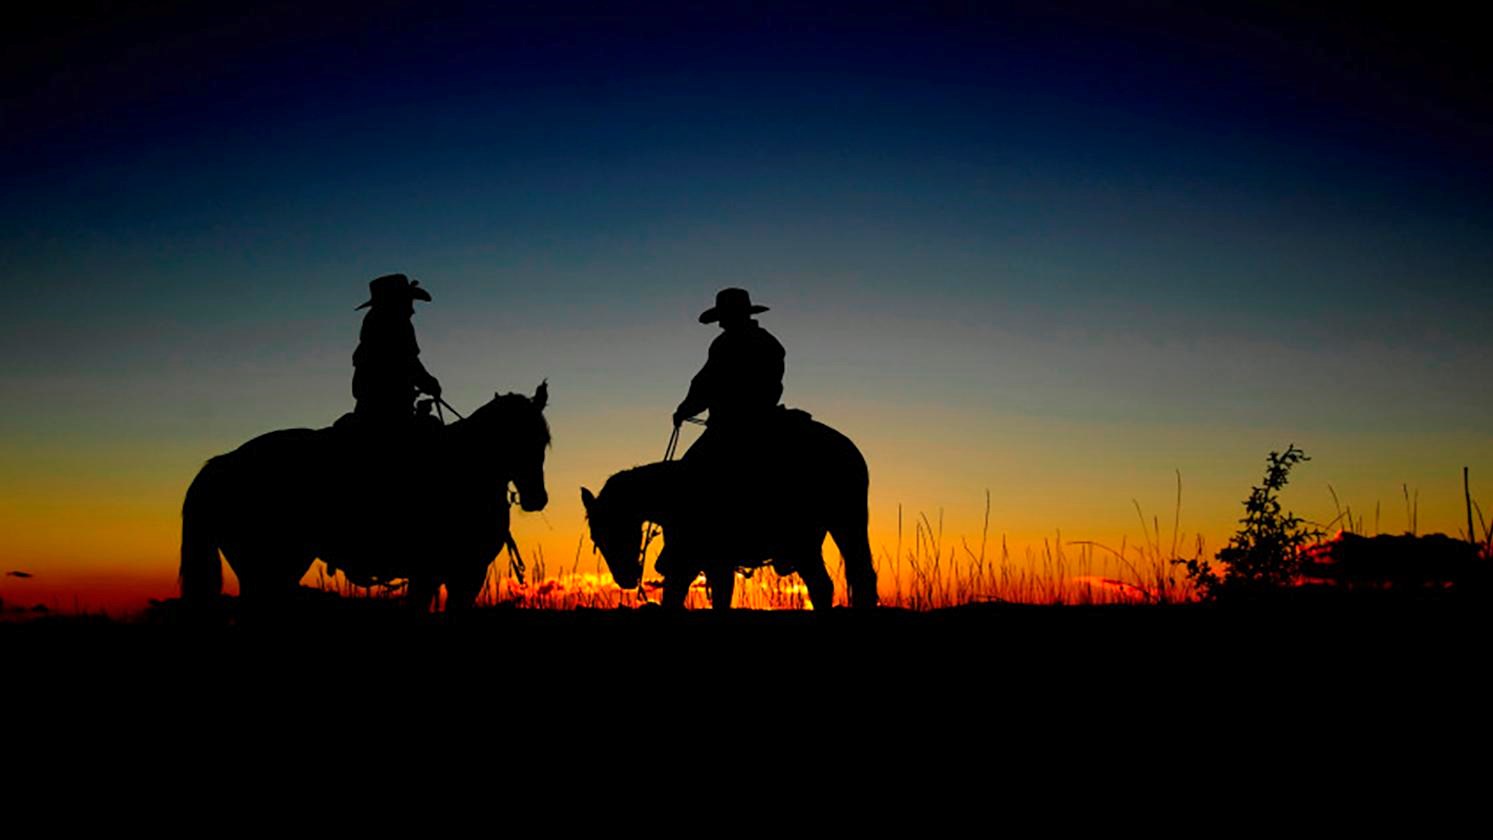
[(730, 302), (394, 287)]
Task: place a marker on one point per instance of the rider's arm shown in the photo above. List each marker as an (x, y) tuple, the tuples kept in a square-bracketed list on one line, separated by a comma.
[(418, 374), (702, 388), (698, 399), (424, 381)]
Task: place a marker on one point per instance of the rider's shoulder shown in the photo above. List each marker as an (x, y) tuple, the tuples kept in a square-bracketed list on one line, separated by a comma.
[(772, 340), (753, 336), (766, 342)]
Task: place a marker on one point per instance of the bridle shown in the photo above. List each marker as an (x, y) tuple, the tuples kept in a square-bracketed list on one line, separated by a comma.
[(654, 530)]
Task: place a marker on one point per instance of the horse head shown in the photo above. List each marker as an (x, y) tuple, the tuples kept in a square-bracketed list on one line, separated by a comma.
[(514, 426), (616, 534)]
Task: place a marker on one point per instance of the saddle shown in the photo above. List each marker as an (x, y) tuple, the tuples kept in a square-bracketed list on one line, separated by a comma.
[(741, 474), (745, 447), (377, 481), (420, 425)]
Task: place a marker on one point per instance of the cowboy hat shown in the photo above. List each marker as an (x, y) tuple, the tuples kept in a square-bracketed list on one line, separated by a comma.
[(730, 302), (393, 287)]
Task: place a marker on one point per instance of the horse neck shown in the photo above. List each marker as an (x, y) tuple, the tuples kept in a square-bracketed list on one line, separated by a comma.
[(463, 444), (649, 493)]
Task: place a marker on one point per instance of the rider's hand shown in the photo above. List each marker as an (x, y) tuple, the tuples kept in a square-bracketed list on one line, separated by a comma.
[(433, 388), (679, 418)]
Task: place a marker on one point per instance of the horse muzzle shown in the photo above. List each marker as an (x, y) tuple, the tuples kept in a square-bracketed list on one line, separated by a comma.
[(533, 502), (628, 580)]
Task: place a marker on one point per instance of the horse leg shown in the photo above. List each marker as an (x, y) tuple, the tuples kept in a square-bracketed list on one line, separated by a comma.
[(267, 580), (811, 570), (676, 588), (855, 547), (722, 581), (463, 585), (678, 571), (422, 592)]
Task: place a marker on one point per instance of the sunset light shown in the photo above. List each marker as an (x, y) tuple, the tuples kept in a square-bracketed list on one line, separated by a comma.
[(1048, 286)]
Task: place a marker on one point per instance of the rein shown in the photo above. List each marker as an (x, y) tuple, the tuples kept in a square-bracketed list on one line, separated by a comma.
[(654, 530), (440, 402), (516, 563)]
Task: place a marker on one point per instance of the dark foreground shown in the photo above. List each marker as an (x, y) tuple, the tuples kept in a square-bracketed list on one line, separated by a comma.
[(999, 646), (1144, 700)]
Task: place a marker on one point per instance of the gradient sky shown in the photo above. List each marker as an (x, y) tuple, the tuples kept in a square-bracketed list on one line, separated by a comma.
[(1054, 253)]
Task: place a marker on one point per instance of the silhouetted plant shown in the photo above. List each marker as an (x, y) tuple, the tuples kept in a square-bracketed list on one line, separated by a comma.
[(1267, 552)]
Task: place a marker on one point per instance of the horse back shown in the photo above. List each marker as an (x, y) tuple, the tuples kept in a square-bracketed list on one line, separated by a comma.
[(832, 457), (276, 464), (281, 440)]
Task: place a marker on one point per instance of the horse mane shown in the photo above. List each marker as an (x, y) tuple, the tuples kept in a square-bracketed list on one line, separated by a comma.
[(641, 475), (632, 485), (501, 407)]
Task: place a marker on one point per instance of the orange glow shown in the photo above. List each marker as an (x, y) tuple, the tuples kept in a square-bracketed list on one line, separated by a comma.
[(99, 530), (1117, 589)]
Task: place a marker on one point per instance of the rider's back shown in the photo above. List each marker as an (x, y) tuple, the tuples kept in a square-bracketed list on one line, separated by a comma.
[(744, 374)]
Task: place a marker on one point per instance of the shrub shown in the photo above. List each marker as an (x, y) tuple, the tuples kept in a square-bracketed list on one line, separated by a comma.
[(1267, 552)]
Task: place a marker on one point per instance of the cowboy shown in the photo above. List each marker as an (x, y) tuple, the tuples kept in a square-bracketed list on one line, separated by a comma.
[(387, 374), (742, 380), (740, 385)]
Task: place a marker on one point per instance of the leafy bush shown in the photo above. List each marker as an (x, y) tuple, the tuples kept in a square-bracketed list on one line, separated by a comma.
[(1267, 552)]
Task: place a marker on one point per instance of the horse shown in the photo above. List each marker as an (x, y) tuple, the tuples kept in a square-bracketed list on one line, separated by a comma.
[(808, 482), (428, 506)]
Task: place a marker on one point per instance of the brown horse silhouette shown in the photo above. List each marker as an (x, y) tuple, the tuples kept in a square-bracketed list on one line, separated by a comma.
[(804, 481), (429, 508)]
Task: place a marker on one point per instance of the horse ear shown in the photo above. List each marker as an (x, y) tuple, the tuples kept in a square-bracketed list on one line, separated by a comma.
[(587, 498), (542, 395)]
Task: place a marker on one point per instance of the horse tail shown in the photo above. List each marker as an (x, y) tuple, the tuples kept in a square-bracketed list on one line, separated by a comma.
[(201, 573), (851, 536), (851, 524)]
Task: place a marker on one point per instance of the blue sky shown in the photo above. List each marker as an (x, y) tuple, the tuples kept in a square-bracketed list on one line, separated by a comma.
[(974, 227)]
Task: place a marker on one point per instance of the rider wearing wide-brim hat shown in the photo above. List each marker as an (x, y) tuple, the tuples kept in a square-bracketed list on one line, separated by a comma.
[(740, 385), (742, 378), (387, 373)]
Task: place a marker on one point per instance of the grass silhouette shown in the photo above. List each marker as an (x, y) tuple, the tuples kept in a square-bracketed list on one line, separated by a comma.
[(924, 570)]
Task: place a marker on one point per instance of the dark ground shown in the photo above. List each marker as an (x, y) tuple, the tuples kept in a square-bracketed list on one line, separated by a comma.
[(1311, 638), (1217, 709)]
